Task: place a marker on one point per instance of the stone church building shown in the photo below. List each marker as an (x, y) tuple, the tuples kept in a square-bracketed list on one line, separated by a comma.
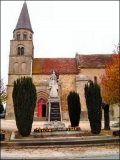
[(73, 73)]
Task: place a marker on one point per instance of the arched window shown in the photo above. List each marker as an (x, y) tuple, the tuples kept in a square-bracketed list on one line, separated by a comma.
[(15, 67), (30, 36), (18, 36), (25, 36), (20, 50), (23, 68)]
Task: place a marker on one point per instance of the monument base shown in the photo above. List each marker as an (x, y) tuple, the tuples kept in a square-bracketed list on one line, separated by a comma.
[(54, 109), (54, 124)]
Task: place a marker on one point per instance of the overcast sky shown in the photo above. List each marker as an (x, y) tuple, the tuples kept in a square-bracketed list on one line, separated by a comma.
[(62, 28)]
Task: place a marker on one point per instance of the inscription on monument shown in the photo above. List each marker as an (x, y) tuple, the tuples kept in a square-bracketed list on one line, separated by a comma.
[(55, 112)]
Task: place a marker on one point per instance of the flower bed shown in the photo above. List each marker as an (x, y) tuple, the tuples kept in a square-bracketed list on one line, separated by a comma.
[(56, 129)]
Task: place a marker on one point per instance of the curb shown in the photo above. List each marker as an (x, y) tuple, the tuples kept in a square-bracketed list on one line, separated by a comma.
[(63, 143)]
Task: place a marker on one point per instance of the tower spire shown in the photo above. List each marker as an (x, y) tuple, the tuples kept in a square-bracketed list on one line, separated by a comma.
[(24, 19)]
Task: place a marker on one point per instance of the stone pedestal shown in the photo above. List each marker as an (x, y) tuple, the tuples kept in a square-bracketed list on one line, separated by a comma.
[(54, 109), (54, 124)]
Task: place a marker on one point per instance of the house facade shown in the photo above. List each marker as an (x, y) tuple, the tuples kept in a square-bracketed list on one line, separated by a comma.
[(73, 73)]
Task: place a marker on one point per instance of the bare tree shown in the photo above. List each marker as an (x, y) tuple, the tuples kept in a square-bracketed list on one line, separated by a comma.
[(117, 49), (3, 93)]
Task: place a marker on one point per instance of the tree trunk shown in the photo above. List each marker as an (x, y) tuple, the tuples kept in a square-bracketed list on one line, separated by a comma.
[(106, 117)]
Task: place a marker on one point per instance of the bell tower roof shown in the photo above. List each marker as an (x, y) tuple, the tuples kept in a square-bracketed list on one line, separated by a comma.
[(24, 19)]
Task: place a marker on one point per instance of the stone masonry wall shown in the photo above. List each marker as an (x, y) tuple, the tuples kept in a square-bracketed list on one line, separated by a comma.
[(67, 84)]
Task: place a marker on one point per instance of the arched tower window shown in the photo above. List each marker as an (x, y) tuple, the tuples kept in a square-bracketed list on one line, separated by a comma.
[(15, 67), (30, 36), (20, 50), (18, 36), (23, 68), (25, 36)]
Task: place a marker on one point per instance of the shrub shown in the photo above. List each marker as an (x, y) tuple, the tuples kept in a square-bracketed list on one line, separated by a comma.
[(24, 100), (1, 108), (74, 108), (94, 102)]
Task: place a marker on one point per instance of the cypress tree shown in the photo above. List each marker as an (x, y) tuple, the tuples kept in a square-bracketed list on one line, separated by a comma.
[(24, 100), (93, 103), (1, 108), (74, 108)]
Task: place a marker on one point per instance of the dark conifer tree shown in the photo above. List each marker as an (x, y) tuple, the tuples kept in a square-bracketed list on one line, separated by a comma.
[(74, 108), (94, 102), (24, 100)]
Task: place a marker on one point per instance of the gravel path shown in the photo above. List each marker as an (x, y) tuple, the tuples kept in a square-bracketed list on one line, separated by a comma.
[(55, 153)]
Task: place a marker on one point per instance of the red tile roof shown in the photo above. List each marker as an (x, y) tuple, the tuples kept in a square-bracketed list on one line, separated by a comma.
[(95, 60), (60, 65)]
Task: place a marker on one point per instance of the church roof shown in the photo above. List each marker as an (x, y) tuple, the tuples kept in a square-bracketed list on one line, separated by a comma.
[(95, 60), (60, 65), (24, 19)]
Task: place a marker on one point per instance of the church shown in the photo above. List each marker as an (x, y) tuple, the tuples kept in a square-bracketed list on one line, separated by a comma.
[(73, 73)]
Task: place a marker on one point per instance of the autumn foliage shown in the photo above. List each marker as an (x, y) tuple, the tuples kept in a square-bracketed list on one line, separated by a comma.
[(110, 82)]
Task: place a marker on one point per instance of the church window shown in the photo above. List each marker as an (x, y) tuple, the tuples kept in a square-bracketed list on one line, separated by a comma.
[(20, 50), (30, 36), (25, 36), (18, 36)]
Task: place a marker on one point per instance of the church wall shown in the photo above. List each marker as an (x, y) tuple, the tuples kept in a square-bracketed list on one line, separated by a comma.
[(91, 73), (39, 78), (67, 85), (82, 79), (28, 44), (9, 102), (12, 78), (18, 69), (21, 32)]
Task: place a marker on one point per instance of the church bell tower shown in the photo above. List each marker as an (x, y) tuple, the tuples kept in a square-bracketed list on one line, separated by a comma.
[(21, 53), (21, 47)]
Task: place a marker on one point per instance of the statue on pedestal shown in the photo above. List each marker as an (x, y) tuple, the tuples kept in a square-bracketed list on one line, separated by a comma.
[(53, 84)]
